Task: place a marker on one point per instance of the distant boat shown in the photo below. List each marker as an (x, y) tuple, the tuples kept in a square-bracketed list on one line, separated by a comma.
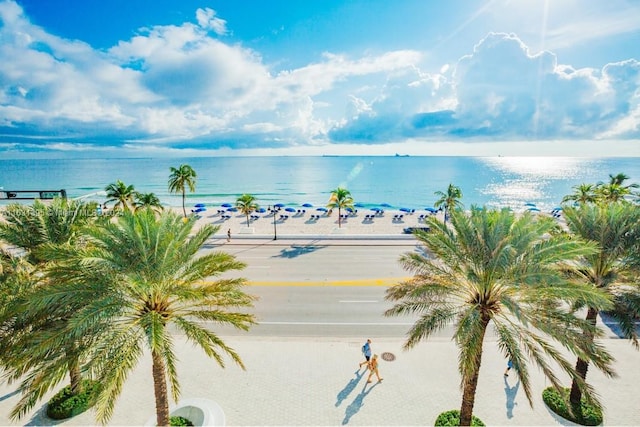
[(402, 155)]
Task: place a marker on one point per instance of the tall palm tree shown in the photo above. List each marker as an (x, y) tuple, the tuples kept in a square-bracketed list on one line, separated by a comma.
[(449, 200), (492, 268), (583, 193), (614, 228), (120, 193), (148, 201), (181, 178), (340, 199), (137, 279), (33, 228), (246, 204)]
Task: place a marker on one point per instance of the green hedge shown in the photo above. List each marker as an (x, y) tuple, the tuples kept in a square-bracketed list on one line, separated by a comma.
[(558, 402), (452, 418), (66, 405), (179, 421)]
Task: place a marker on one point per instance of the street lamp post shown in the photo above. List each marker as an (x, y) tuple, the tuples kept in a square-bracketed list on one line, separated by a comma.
[(275, 231)]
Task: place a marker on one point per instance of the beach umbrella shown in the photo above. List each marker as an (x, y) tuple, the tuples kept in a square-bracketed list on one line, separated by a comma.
[(359, 205), (349, 210), (321, 209), (261, 210), (232, 210), (307, 205), (198, 210), (530, 204), (279, 205), (405, 209), (290, 209), (557, 208), (376, 209), (226, 205), (532, 209), (432, 210), (199, 205)]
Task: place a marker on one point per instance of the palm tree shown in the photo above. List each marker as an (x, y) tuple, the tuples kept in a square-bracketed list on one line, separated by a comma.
[(614, 228), (246, 204), (148, 201), (120, 193), (449, 200), (179, 179), (493, 268), (33, 229), (615, 190), (340, 199), (583, 193), (138, 278)]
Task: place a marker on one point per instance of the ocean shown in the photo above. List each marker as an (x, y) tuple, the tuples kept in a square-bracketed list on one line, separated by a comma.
[(398, 181)]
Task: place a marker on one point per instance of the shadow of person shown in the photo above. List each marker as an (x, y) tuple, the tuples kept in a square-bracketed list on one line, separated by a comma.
[(510, 393), (357, 403), (351, 385)]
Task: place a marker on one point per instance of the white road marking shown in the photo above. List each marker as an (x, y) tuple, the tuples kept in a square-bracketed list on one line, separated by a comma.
[(337, 323), (356, 301)]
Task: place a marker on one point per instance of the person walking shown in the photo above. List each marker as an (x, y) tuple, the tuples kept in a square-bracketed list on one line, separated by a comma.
[(373, 368), (509, 366), (366, 351), (228, 235)]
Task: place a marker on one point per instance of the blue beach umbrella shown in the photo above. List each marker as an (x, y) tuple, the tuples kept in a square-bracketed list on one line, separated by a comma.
[(290, 209), (405, 209), (376, 209), (198, 210), (226, 205), (432, 210), (232, 210), (532, 209), (557, 208), (279, 205), (359, 205), (261, 210), (321, 209), (199, 205), (530, 204), (307, 205)]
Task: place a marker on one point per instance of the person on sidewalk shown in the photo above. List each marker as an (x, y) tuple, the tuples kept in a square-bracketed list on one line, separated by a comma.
[(373, 368), (228, 235), (509, 366), (366, 351)]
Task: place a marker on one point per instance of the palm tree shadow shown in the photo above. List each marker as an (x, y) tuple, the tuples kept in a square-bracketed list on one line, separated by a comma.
[(511, 393), (39, 418), (357, 403), (351, 385), (8, 395)]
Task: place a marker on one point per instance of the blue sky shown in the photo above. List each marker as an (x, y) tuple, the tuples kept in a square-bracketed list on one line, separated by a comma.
[(196, 77)]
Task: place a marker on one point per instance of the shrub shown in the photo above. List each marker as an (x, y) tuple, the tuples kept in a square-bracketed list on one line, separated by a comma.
[(558, 402), (66, 405), (179, 421), (452, 418)]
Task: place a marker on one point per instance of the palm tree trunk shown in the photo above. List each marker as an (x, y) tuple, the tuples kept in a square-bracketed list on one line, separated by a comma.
[(160, 390), (184, 210), (582, 365), (247, 220), (471, 382), (339, 217), (75, 376)]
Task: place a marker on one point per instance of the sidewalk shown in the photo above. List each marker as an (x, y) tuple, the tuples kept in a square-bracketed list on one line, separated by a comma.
[(310, 382)]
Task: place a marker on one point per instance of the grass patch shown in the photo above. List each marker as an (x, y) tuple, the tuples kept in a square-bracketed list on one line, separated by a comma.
[(65, 404), (558, 402), (452, 418)]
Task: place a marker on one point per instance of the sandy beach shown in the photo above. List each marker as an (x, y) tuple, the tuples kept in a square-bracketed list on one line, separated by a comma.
[(311, 222)]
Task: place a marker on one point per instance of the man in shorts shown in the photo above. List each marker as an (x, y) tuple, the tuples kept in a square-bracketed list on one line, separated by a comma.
[(366, 351)]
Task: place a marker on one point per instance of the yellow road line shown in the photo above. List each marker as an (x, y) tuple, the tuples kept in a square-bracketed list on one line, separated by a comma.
[(358, 282)]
